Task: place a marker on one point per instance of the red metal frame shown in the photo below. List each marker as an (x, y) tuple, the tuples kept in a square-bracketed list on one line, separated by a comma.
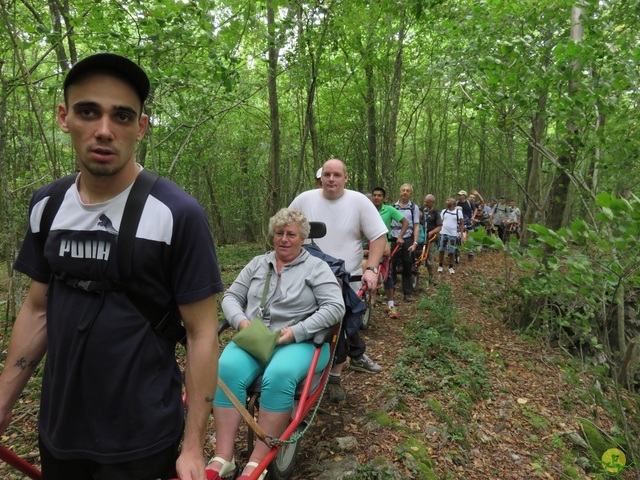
[(305, 404), (20, 464)]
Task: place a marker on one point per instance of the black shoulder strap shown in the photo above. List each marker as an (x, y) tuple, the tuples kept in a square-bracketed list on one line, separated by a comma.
[(165, 320), (53, 205), (131, 219), (413, 212)]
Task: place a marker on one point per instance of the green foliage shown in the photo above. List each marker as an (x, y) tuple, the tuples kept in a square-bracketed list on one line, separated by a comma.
[(417, 459), (578, 270), (233, 258), (440, 344), (439, 355), (371, 472), (470, 78)]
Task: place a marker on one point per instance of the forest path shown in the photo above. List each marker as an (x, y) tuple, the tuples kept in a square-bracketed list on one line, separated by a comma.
[(511, 414)]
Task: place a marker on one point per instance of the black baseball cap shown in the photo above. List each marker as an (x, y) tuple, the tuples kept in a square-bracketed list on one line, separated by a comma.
[(120, 66)]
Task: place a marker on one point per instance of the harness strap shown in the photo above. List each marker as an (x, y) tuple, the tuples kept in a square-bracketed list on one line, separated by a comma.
[(53, 205), (91, 286), (136, 201)]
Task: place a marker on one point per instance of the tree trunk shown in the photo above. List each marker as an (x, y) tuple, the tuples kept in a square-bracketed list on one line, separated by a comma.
[(534, 165), (58, 47), (372, 133), (5, 200), (73, 54), (389, 141), (273, 187), (559, 191), (629, 364)]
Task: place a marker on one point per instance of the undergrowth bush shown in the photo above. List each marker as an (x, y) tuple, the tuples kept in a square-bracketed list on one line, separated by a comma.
[(577, 278), (438, 352)]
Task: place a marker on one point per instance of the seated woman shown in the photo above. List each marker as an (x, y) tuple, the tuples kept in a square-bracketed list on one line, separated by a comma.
[(302, 299)]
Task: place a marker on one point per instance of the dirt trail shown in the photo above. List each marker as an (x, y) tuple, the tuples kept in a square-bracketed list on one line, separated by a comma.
[(510, 434)]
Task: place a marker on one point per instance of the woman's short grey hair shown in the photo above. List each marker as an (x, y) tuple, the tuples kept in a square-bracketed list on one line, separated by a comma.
[(290, 215)]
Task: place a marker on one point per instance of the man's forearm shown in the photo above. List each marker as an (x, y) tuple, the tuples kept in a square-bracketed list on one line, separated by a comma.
[(376, 250), (26, 349), (201, 374), (201, 371)]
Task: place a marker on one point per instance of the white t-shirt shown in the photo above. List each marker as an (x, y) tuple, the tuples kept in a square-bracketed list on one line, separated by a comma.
[(514, 215), (450, 221), (348, 219)]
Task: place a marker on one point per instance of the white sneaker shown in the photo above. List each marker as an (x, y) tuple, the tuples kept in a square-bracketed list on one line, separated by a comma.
[(451, 270), (440, 269)]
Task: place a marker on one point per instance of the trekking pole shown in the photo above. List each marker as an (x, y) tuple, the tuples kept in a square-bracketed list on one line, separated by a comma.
[(19, 464)]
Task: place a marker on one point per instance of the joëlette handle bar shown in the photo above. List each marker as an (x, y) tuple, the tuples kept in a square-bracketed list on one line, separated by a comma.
[(20, 464)]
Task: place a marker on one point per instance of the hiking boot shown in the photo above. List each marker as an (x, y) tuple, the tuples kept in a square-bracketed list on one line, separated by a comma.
[(440, 269), (365, 364), (451, 270), (408, 298), (393, 313), (336, 392)]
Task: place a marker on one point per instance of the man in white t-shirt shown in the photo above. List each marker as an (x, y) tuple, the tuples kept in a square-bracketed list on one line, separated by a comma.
[(513, 222), (452, 225), (349, 216)]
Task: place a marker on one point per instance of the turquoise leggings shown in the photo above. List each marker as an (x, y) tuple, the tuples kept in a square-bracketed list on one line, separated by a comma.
[(289, 364)]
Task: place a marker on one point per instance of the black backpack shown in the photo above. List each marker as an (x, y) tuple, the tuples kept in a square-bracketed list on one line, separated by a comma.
[(165, 320)]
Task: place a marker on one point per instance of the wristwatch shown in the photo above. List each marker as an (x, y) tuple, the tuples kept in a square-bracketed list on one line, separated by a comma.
[(373, 269)]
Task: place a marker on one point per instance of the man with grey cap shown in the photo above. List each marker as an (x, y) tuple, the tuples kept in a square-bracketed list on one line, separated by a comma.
[(111, 405)]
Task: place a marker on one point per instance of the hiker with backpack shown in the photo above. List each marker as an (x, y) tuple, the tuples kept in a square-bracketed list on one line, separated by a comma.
[(452, 226), (469, 208), (111, 403), (513, 222), (499, 216), (388, 215), (432, 222), (348, 216), (408, 242)]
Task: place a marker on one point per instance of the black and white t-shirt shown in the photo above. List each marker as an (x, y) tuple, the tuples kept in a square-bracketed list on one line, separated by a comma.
[(95, 364)]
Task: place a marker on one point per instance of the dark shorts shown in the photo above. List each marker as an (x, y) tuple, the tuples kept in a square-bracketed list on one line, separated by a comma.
[(161, 465)]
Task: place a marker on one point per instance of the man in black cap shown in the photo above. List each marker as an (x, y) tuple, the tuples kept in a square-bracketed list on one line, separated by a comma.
[(111, 404)]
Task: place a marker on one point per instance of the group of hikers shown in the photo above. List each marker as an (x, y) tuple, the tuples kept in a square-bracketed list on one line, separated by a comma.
[(416, 232), (123, 265)]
